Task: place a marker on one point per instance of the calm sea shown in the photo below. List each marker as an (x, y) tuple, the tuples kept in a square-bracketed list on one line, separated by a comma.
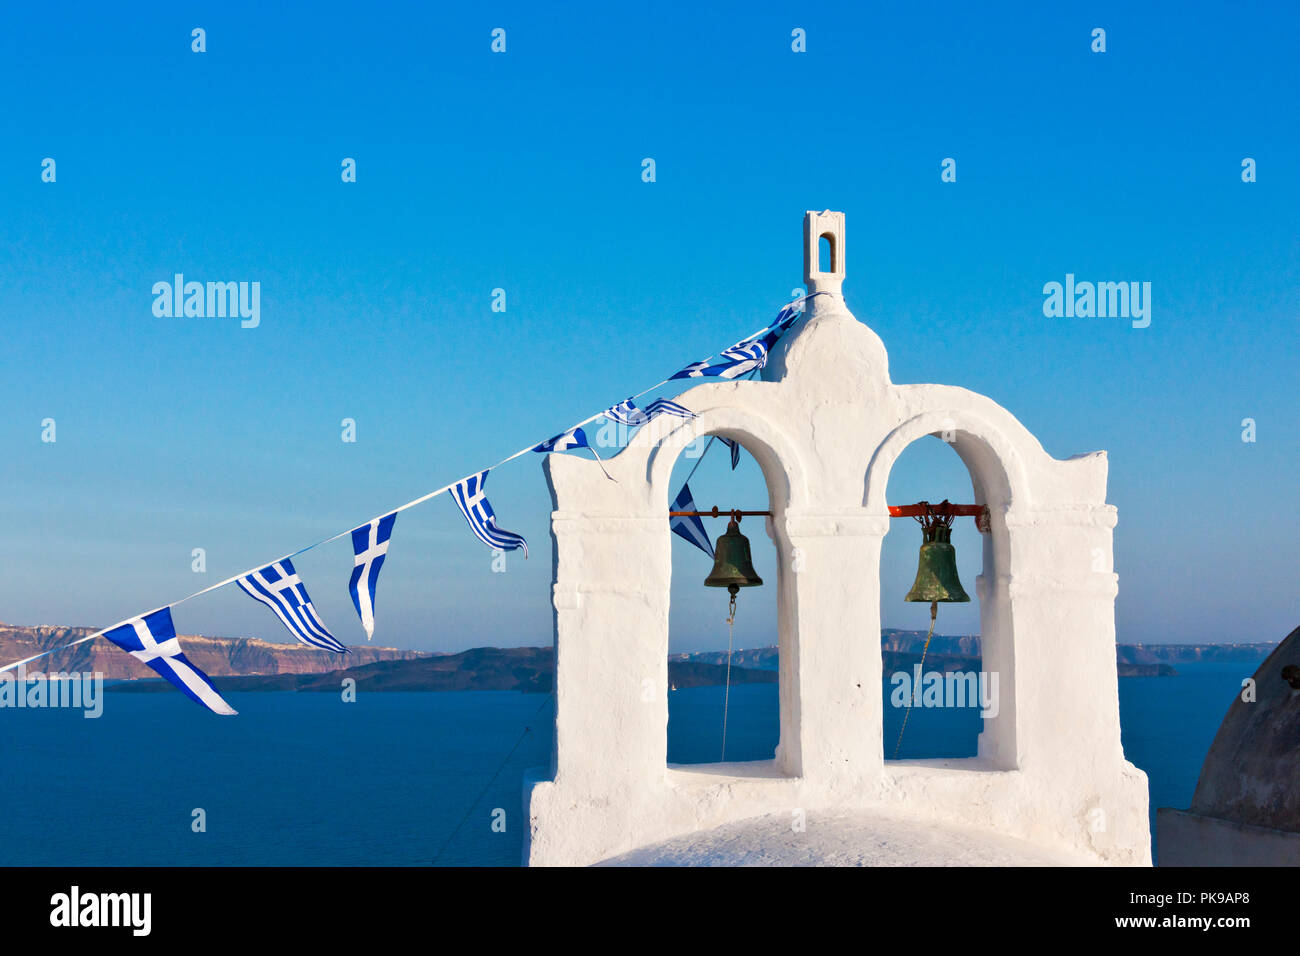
[(407, 778)]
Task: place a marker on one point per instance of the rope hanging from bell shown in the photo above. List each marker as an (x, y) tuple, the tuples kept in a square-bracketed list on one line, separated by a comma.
[(936, 580), (733, 569)]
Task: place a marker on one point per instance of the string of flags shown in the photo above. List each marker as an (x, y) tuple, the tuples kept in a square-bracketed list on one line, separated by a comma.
[(151, 638), (750, 354)]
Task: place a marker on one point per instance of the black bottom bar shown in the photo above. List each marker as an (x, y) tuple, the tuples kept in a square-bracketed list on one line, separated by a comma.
[(334, 905)]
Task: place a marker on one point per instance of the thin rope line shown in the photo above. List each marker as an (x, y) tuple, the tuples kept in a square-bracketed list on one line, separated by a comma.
[(527, 730), (726, 699), (700, 460), (410, 504), (934, 610)]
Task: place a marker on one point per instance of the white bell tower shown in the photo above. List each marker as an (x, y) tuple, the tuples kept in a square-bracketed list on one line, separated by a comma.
[(826, 424)]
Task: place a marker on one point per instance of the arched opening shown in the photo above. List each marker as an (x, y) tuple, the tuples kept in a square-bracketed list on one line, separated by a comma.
[(935, 697), (718, 715), (826, 254)]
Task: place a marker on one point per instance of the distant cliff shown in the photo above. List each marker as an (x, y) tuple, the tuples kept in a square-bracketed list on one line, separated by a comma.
[(901, 650), (529, 669), (217, 656), (262, 665), (1194, 653)]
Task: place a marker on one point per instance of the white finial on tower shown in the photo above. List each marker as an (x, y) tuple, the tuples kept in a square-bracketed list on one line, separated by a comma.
[(816, 227)]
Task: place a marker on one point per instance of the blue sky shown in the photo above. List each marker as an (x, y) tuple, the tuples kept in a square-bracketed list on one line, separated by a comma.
[(523, 171)]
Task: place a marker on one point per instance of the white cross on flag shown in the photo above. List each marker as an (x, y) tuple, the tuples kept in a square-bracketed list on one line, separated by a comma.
[(369, 546), (278, 587), (151, 639), (473, 504)]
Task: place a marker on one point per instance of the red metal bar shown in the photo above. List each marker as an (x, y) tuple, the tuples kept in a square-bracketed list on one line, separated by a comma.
[(921, 509), (944, 509)]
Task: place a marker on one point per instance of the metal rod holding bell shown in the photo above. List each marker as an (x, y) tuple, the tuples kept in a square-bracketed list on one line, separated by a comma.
[(945, 508)]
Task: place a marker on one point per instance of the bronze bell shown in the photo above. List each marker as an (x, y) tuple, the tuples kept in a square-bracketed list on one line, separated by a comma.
[(732, 567), (936, 574)]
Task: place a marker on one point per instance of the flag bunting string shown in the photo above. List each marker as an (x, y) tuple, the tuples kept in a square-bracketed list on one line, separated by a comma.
[(739, 359)]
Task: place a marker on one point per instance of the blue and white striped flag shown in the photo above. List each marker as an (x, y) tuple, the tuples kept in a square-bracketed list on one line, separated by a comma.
[(472, 503), (735, 450), (741, 358), (278, 587), (626, 413), (573, 438), (689, 527), (731, 368), (151, 639), (748, 355), (662, 406), (789, 315), (369, 546)]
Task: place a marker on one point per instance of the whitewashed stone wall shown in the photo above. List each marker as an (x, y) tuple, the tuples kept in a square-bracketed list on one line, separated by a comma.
[(826, 424)]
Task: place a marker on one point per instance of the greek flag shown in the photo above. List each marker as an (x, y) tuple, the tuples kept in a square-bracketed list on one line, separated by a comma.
[(151, 639), (278, 587), (689, 527), (789, 315), (482, 519), (369, 546), (743, 357), (728, 369), (735, 450), (626, 413), (573, 438), (748, 355), (661, 406)]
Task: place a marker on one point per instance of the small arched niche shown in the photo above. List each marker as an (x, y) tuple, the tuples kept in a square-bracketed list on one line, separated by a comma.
[(828, 256)]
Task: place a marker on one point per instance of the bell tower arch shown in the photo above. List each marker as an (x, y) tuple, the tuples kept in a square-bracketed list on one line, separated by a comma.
[(826, 424)]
